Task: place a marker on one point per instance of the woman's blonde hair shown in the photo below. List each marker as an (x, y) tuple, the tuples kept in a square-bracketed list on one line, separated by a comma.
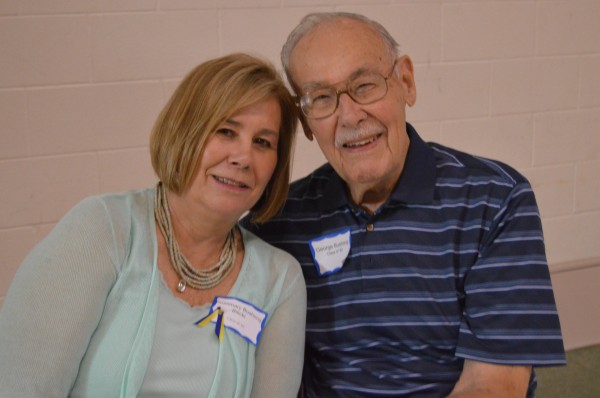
[(209, 95)]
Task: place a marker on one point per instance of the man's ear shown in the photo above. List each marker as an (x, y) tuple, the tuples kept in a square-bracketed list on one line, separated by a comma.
[(407, 79), (307, 132)]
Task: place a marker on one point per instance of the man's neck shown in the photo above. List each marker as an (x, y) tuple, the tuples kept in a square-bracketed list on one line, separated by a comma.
[(371, 197)]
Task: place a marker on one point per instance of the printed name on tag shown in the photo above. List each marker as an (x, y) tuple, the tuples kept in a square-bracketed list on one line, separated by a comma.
[(242, 317), (330, 251)]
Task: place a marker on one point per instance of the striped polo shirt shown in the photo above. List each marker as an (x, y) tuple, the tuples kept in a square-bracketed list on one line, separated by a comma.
[(451, 267)]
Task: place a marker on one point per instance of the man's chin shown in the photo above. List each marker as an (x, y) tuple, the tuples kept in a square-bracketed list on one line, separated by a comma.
[(363, 176)]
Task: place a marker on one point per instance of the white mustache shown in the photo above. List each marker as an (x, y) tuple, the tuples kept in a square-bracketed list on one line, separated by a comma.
[(366, 128)]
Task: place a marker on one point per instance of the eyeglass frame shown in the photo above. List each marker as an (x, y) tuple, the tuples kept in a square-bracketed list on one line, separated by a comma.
[(344, 90)]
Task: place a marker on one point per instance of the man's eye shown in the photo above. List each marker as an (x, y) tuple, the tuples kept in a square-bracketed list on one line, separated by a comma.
[(364, 87), (321, 99)]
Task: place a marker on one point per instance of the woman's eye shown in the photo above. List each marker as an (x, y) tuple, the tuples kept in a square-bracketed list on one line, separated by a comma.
[(263, 142), (225, 132)]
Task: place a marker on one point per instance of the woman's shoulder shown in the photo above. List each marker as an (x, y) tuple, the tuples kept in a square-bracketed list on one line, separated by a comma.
[(122, 201), (114, 207), (266, 262), (270, 275), (111, 219)]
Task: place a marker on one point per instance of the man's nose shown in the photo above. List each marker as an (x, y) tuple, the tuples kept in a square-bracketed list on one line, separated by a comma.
[(350, 113)]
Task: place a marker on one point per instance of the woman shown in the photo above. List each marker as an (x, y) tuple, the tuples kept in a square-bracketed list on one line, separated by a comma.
[(159, 292)]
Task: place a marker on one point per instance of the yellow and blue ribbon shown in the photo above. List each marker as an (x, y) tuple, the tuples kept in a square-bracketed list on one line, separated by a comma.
[(219, 328)]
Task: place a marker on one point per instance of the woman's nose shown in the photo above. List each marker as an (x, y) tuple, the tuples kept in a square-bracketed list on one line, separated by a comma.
[(240, 155)]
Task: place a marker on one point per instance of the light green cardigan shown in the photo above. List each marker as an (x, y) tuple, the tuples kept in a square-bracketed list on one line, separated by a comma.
[(80, 315)]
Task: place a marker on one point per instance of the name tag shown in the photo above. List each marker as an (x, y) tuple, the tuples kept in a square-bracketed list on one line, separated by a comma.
[(330, 251), (242, 317)]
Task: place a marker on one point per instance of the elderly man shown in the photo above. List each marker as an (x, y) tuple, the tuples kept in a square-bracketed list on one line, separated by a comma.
[(425, 266)]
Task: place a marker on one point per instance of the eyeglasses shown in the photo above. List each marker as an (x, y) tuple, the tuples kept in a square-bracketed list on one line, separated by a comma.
[(364, 89)]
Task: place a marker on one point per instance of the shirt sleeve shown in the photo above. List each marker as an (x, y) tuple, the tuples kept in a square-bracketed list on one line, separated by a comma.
[(55, 302), (509, 314), (280, 354)]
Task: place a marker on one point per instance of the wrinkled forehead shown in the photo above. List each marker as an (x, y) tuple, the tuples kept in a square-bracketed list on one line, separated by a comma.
[(336, 50)]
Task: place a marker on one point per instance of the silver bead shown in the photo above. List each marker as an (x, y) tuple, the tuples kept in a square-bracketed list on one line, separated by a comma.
[(181, 286)]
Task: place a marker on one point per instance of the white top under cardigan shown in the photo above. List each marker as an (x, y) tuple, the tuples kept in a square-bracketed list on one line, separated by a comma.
[(80, 316)]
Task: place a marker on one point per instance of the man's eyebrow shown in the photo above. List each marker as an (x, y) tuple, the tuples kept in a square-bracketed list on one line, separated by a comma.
[(316, 85), (313, 85), (359, 71)]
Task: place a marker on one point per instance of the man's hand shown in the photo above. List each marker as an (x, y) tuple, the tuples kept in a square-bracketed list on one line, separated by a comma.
[(480, 379)]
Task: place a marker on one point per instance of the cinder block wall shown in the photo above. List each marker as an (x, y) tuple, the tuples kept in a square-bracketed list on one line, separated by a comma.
[(82, 81)]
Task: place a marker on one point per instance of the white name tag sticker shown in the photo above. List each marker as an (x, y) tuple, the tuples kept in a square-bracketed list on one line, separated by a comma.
[(242, 317), (330, 251)]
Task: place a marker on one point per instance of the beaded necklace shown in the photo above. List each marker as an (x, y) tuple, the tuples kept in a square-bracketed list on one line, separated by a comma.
[(195, 278)]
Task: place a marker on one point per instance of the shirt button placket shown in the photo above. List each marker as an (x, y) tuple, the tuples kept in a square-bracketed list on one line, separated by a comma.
[(367, 265)]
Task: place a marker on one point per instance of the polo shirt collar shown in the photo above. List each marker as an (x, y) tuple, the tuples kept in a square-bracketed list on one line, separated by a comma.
[(416, 184)]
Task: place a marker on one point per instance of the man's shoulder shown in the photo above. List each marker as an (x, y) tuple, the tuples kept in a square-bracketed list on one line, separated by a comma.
[(314, 183), (305, 200), (453, 163), (313, 192)]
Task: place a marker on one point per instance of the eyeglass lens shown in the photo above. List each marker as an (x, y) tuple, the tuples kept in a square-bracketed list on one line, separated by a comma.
[(364, 89)]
